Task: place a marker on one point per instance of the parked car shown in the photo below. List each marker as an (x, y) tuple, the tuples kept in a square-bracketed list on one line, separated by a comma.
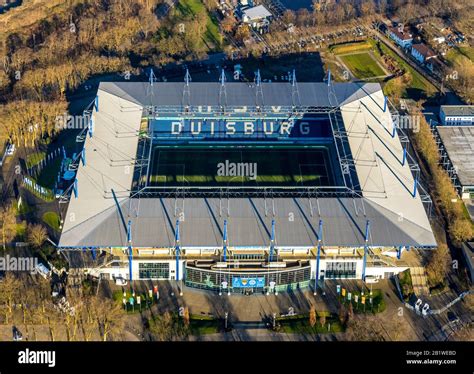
[(119, 281), (10, 150)]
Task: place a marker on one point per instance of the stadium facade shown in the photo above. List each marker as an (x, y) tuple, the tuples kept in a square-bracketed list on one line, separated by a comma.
[(347, 210)]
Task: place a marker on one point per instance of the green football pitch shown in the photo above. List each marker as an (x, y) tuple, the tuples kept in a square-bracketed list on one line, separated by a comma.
[(222, 167)]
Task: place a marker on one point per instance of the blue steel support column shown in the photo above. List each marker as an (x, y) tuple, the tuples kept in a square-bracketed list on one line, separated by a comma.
[(83, 156), (415, 186), (96, 103), (74, 189), (222, 78), (399, 252), (152, 77), (130, 250), (404, 159), (329, 77), (366, 247), (272, 241), (93, 253), (318, 256), (385, 99), (177, 249), (225, 240), (258, 79), (187, 77), (91, 127), (64, 152)]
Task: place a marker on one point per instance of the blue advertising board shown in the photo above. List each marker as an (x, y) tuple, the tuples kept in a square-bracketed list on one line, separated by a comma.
[(232, 129), (239, 282)]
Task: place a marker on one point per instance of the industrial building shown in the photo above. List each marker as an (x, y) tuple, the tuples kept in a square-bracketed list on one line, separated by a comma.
[(456, 146), (457, 115), (354, 206)]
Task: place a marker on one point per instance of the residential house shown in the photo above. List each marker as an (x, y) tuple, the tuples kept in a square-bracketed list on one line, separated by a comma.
[(403, 38)]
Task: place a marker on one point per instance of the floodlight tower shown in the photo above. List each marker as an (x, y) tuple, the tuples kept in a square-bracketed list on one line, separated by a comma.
[(272, 241), (366, 248), (225, 242), (177, 250), (258, 91), (222, 93), (187, 91), (318, 256)]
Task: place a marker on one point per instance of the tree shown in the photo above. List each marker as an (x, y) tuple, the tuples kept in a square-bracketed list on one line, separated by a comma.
[(110, 316), (438, 265), (186, 318), (211, 5), (350, 312), (289, 17), (9, 293), (365, 328), (461, 229), (228, 24), (37, 235), (242, 33), (312, 316), (8, 224), (342, 314), (322, 319)]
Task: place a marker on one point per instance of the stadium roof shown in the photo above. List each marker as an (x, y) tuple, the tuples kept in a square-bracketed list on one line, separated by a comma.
[(459, 144), (397, 218), (237, 94)]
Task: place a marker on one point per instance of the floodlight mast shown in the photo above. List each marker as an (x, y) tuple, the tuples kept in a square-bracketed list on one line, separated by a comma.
[(318, 256), (225, 242), (366, 248), (177, 250)]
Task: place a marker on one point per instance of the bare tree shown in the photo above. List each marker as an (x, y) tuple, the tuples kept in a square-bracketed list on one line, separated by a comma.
[(312, 316), (8, 224), (37, 235)]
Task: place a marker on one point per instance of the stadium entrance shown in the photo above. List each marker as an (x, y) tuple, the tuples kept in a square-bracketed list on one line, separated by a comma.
[(247, 278)]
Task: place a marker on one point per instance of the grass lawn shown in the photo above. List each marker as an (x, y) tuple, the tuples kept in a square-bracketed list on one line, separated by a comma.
[(362, 65), (201, 325), (340, 49), (35, 158), (21, 230), (188, 8), (52, 220), (299, 324), (378, 304), (455, 54), (48, 175), (195, 167)]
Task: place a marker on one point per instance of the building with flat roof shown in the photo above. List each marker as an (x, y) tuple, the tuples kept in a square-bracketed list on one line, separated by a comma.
[(457, 115), (258, 17), (457, 153), (336, 194), (468, 252)]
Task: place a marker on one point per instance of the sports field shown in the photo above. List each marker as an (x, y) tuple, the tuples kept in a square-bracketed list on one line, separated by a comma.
[(362, 65), (222, 167)]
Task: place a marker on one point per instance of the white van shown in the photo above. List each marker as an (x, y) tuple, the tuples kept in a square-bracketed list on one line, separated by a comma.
[(371, 279)]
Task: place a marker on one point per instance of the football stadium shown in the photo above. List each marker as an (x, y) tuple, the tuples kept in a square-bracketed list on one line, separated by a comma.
[(260, 187)]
